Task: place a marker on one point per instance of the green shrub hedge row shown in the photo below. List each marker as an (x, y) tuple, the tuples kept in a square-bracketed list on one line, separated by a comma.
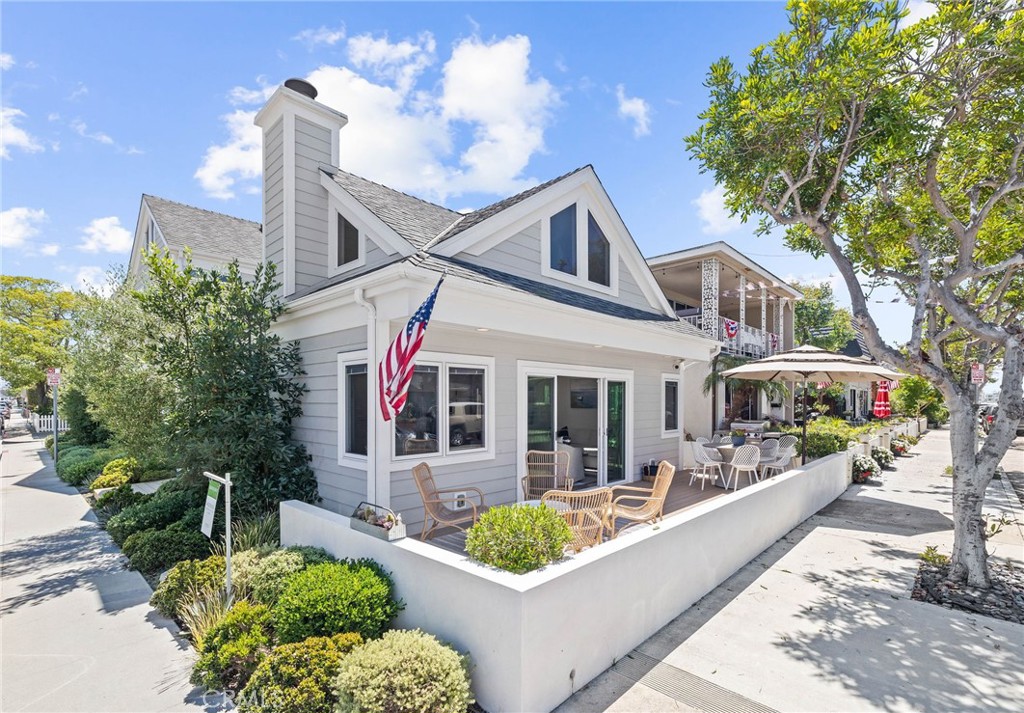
[(167, 506), (151, 551), (234, 648), (518, 538)]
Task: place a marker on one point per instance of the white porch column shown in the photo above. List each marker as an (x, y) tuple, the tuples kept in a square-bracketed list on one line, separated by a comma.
[(780, 305), (764, 321), (743, 309), (709, 296)]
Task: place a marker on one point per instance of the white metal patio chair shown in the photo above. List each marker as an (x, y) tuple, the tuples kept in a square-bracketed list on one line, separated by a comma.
[(706, 466), (744, 461), (712, 453), (769, 451), (781, 463)]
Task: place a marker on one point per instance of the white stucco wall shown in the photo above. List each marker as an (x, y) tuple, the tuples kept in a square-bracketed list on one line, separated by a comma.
[(536, 638)]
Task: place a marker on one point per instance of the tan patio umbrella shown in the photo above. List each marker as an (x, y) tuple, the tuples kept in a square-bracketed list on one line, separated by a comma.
[(807, 363)]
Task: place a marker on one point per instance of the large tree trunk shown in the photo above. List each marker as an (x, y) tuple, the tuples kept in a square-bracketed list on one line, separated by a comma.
[(970, 480)]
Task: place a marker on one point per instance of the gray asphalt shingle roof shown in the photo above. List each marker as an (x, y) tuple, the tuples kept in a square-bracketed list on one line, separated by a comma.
[(414, 219), (205, 231)]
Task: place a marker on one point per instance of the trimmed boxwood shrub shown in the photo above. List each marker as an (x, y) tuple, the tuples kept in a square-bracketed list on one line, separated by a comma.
[(114, 480), (263, 576), (334, 598), (82, 466), (298, 678), (234, 648), (184, 579), (403, 672), (148, 476), (163, 509), (518, 538), (152, 551)]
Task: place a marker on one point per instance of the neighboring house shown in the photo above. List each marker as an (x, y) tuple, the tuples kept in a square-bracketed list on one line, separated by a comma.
[(859, 396), (549, 317), (214, 239), (734, 300)]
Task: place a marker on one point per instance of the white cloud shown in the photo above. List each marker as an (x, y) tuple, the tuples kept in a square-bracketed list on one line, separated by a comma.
[(712, 211), (106, 234), (401, 62), (79, 127), (12, 135), (93, 279), (6, 61), (53, 116), (50, 249), (238, 159), (18, 225), (80, 91), (401, 129), (634, 109), (244, 95), (321, 36), (919, 10)]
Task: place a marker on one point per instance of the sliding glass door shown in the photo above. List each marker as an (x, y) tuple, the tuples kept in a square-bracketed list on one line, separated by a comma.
[(540, 413), (615, 432)]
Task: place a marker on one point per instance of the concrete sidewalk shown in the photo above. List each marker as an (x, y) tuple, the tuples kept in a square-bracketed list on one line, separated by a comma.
[(823, 620), (77, 630)]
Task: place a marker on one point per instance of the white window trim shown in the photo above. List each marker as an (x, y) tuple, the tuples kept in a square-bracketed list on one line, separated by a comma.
[(584, 204), (351, 460), (333, 268), (665, 379), (443, 361)]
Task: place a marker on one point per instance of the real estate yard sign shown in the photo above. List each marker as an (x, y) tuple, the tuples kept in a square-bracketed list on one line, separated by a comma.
[(212, 494)]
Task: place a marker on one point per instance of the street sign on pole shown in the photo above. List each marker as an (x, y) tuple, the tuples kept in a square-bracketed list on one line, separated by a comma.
[(977, 373), (53, 376), (53, 379)]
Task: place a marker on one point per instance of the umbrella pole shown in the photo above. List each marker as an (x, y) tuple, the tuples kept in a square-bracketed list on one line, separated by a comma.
[(803, 456)]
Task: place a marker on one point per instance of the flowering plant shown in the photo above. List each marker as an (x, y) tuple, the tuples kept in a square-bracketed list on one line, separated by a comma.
[(387, 521), (865, 468)]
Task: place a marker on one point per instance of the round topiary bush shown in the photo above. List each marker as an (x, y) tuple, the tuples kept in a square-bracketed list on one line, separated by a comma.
[(234, 647), (298, 678), (183, 579), (264, 575), (403, 672), (518, 538), (334, 598)]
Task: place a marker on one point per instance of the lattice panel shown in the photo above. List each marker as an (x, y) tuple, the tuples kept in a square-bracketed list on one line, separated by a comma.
[(709, 296)]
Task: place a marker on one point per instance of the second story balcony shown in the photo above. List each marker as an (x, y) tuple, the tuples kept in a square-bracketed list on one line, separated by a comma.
[(729, 297)]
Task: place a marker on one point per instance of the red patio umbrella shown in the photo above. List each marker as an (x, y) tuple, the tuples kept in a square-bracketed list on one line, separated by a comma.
[(882, 407)]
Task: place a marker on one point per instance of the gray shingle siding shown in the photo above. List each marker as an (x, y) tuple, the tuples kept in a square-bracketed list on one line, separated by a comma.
[(273, 196), (341, 488), (312, 147)]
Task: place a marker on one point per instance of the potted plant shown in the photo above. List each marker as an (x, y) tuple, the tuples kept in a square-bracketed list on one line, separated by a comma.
[(738, 437), (380, 522), (864, 467)]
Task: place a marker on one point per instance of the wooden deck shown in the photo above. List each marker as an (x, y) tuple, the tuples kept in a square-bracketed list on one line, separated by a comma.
[(681, 496)]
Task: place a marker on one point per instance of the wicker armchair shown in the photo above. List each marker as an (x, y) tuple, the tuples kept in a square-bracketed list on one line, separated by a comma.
[(438, 504), (586, 512), (651, 505), (546, 470)]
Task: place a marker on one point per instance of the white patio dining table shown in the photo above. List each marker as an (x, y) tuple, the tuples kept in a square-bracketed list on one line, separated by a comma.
[(554, 504)]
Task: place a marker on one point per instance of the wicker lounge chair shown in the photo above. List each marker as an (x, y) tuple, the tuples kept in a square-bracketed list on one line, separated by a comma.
[(586, 512), (546, 470), (438, 504), (651, 503)]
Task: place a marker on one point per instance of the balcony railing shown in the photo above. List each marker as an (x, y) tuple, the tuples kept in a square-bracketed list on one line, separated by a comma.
[(747, 340)]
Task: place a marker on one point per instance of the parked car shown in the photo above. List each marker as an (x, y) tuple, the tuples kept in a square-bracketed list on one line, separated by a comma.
[(465, 422)]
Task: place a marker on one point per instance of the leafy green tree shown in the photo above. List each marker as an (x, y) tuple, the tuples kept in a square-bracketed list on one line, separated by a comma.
[(111, 366), (917, 397), (237, 384), (35, 327), (818, 320), (82, 426), (896, 151)]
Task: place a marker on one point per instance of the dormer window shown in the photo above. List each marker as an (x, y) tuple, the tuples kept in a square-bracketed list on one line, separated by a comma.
[(346, 244), (578, 249)]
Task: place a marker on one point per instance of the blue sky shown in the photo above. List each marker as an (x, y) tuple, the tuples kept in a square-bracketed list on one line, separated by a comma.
[(458, 103)]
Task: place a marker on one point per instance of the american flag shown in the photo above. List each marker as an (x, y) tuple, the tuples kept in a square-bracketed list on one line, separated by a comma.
[(395, 370), (824, 384)]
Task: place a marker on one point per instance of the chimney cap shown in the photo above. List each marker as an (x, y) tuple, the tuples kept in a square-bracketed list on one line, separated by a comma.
[(302, 87)]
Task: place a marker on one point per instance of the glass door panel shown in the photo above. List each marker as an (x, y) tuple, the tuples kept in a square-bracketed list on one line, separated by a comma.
[(615, 422), (540, 413)]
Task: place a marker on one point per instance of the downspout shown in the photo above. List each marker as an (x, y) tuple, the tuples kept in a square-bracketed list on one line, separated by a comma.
[(371, 394)]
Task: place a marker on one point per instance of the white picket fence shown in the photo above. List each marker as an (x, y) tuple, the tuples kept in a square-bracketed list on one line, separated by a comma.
[(45, 423)]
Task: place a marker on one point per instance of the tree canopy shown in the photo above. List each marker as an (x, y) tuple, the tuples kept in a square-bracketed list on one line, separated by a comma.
[(35, 328), (818, 320), (896, 151)]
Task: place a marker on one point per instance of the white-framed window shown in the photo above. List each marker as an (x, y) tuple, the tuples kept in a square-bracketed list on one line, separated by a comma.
[(346, 242), (354, 417), (449, 410), (670, 405), (575, 246)]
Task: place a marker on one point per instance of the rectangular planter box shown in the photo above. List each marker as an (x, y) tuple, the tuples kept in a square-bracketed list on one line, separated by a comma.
[(395, 533)]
